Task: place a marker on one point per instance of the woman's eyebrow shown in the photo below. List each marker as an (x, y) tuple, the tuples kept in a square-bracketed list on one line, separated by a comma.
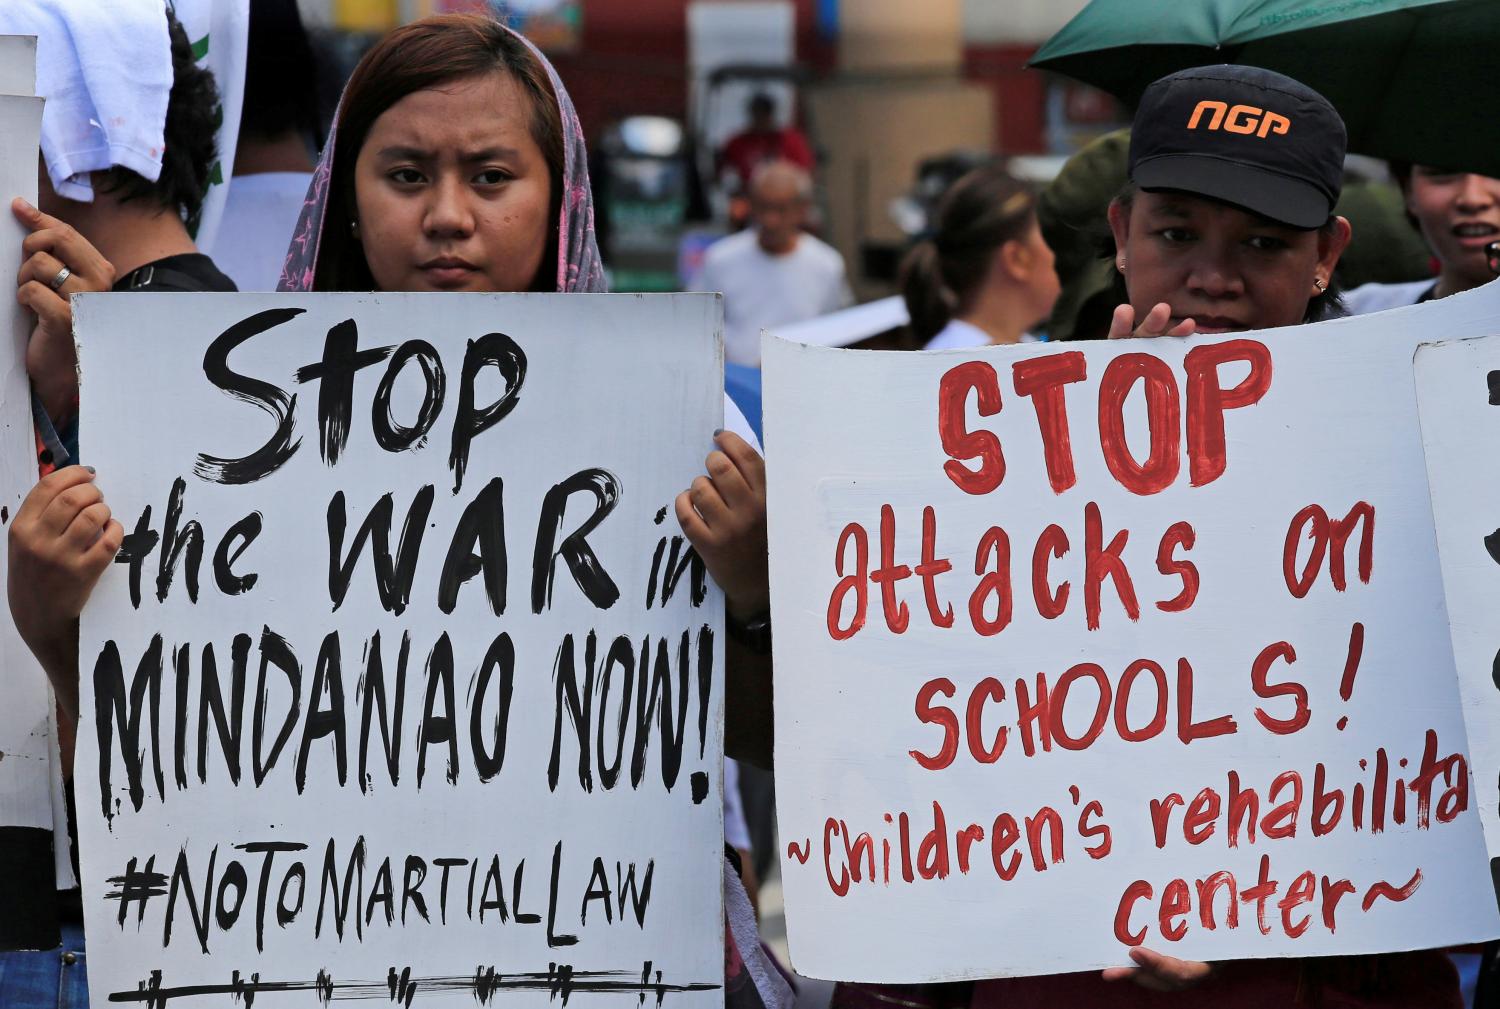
[(1170, 210), (492, 153), (401, 152), (407, 152)]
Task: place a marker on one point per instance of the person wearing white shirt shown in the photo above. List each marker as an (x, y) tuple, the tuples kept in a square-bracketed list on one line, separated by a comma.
[(959, 334), (984, 275), (273, 161), (773, 272)]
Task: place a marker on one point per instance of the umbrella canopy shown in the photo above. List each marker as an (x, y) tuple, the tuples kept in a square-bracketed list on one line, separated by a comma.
[(1415, 80)]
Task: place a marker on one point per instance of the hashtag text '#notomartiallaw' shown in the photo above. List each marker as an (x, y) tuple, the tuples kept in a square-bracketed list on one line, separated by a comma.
[(346, 891)]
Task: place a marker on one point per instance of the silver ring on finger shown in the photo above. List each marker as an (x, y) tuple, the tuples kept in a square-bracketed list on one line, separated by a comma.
[(58, 281)]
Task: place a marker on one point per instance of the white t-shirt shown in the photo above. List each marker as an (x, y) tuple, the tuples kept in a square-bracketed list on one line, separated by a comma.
[(259, 217), (1367, 298), (736, 829), (762, 291), (959, 335)]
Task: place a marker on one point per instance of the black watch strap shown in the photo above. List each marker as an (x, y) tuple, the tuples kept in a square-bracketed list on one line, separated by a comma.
[(754, 634)]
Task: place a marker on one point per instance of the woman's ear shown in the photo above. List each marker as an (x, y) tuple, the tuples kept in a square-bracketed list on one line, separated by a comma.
[(1015, 260), (1332, 241)]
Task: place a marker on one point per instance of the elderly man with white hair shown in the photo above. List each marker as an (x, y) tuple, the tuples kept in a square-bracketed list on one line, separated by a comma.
[(773, 272)]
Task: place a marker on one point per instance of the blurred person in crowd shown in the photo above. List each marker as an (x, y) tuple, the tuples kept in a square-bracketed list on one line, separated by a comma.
[(737, 832), (121, 227), (273, 160), (985, 275), (457, 163), (773, 272), (1073, 213), (1458, 214), (762, 141)]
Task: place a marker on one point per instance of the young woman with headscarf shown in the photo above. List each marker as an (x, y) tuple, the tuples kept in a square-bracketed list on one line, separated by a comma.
[(456, 163)]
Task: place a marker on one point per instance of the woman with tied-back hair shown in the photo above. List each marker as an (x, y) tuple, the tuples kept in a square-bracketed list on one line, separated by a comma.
[(456, 163), (984, 275)]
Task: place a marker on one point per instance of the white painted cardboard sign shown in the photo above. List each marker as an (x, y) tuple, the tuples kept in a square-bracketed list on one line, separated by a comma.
[(1458, 389), (444, 722), (1237, 596), (26, 721), (18, 77)]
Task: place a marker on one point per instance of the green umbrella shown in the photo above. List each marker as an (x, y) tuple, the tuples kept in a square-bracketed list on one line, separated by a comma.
[(1415, 80)]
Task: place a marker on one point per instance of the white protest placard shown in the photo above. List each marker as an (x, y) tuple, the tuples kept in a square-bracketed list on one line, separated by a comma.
[(1458, 390), (28, 917), (406, 683), (18, 77), (1089, 646)]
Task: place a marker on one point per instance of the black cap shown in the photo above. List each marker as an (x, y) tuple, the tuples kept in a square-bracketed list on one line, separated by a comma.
[(1244, 135)]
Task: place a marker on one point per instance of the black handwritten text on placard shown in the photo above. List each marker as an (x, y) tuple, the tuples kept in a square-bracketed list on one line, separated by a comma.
[(447, 677)]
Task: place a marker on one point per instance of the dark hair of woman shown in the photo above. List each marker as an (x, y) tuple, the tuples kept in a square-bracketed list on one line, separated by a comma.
[(415, 58), (980, 212)]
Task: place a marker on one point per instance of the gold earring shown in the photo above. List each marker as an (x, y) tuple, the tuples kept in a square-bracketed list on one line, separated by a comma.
[(1320, 285), (1120, 264)]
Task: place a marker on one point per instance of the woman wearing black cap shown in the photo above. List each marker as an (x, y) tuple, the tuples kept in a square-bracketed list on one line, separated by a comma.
[(1228, 222), (1228, 225)]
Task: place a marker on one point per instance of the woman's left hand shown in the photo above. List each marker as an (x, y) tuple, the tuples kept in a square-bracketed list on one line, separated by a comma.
[(1161, 973), (61, 541), (52, 247), (1158, 322), (724, 516)]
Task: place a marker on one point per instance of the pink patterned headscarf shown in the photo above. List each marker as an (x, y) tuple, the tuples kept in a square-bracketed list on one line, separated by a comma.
[(579, 268)]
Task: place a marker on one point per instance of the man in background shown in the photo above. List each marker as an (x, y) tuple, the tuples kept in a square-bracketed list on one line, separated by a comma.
[(773, 272), (760, 142), (273, 161)]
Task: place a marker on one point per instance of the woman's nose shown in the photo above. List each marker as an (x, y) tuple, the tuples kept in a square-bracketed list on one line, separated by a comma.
[(1477, 192), (1216, 276), (448, 212)]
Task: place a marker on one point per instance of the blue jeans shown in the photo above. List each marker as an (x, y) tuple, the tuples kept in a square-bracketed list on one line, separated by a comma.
[(47, 979)]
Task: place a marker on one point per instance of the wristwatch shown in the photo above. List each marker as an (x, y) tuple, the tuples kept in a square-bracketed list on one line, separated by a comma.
[(754, 634)]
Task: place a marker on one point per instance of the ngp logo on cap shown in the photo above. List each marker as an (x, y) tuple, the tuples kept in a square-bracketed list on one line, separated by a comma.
[(1207, 131), (1245, 119)]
